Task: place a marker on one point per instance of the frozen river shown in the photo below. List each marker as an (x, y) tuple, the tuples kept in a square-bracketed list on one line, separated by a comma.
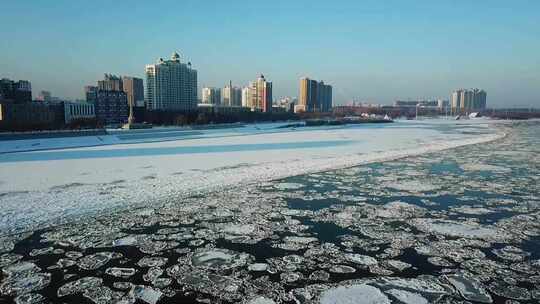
[(442, 220), (128, 169)]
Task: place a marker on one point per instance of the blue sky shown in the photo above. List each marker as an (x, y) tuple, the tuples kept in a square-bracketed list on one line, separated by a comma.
[(375, 51)]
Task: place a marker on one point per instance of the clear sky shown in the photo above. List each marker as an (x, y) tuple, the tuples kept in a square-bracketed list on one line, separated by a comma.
[(368, 50)]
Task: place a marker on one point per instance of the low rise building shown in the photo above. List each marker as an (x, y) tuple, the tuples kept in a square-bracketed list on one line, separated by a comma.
[(30, 116)]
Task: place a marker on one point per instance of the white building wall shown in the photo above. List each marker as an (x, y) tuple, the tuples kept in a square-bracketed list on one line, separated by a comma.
[(245, 97)]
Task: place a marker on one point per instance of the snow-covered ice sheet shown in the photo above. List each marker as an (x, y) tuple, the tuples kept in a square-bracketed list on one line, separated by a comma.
[(41, 188)]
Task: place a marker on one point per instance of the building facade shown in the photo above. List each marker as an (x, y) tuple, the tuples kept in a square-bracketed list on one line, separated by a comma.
[(314, 96), (479, 99), (211, 96), (245, 97), (231, 96), (89, 92), (30, 115), (15, 91), (109, 100), (260, 95), (455, 99), (78, 110), (134, 89), (171, 85), (325, 97), (111, 107), (110, 83), (466, 100)]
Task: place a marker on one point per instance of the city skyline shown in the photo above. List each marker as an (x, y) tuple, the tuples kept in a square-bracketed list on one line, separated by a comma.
[(371, 51)]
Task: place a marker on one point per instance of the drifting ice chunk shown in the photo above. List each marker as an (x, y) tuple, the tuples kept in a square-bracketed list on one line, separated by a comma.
[(152, 261), (470, 288), (24, 284), (484, 167), (398, 265), (146, 294), (400, 209), (261, 300), (120, 272), (152, 274), (460, 229), (258, 267), (300, 239), (407, 297), (342, 269), (354, 294), (219, 258), (412, 186), (239, 229), (23, 277), (288, 186), (79, 286), (472, 210), (126, 241), (360, 259), (30, 298), (9, 258), (102, 294), (95, 261)]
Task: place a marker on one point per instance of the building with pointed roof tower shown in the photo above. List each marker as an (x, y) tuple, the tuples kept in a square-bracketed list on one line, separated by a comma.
[(171, 85)]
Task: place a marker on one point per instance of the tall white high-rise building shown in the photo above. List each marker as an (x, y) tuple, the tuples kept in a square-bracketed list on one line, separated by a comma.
[(231, 96), (245, 97), (211, 96), (171, 85)]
